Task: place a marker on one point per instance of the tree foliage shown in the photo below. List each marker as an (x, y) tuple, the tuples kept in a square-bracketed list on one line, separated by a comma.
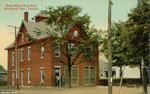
[(62, 19), (121, 48), (139, 26)]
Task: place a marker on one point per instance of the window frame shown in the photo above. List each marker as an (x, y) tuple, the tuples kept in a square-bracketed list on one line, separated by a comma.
[(29, 75), (42, 51), (57, 50), (29, 53), (21, 55), (12, 59)]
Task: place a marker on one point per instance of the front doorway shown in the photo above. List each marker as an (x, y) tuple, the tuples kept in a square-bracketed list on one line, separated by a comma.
[(57, 75)]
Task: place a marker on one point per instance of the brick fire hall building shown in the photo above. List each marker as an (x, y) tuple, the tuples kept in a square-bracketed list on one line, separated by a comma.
[(38, 61)]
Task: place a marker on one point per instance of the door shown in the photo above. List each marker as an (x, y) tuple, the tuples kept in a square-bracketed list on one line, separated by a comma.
[(57, 75), (13, 78), (22, 76)]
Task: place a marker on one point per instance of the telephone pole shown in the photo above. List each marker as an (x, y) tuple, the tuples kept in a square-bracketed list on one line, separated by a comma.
[(109, 49), (16, 56)]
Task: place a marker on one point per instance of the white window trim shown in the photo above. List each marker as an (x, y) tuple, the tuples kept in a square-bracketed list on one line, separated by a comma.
[(21, 55), (29, 55), (42, 51), (22, 37), (28, 79), (75, 33), (12, 59)]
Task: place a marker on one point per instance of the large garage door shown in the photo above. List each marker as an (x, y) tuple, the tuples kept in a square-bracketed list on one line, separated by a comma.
[(74, 76), (89, 75)]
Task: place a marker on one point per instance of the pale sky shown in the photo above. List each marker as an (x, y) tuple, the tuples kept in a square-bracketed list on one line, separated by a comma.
[(97, 9)]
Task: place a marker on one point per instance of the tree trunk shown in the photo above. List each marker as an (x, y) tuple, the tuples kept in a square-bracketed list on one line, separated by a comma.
[(68, 47), (69, 75), (120, 71), (121, 77), (143, 76)]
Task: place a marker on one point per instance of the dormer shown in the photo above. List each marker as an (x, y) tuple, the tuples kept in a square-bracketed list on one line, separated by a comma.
[(76, 33), (22, 37)]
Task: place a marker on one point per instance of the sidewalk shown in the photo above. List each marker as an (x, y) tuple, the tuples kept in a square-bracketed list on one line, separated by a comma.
[(78, 90)]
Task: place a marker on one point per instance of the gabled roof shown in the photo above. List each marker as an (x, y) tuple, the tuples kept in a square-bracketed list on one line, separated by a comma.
[(34, 27)]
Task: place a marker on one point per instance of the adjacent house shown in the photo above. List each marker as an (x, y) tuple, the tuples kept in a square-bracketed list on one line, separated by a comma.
[(39, 61), (3, 74), (129, 72)]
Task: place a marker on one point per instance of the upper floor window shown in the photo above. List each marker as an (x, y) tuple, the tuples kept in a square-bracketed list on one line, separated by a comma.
[(13, 58), (71, 49), (75, 34), (21, 55), (88, 49), (42, 51), (88, 52), (22, 38), (29, 53), (57, 50)]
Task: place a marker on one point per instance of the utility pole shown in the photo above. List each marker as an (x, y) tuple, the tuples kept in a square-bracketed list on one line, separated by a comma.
[(109, 49), (16, 56)]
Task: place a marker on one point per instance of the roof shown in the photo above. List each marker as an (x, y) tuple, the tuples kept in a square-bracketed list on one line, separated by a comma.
[(10, 46), (2, 70), (41, 15), (34, 27)]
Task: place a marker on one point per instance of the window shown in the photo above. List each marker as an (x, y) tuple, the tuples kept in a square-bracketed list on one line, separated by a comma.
[(88, 52), (57, 50), (106, 73), (29, 75), (22, 38), (71, 49), (13, 58), (88, 49), (75, 75), (42, 75), (21, 55), (42, 52), (75, 34), (29, 53), (89, 75)]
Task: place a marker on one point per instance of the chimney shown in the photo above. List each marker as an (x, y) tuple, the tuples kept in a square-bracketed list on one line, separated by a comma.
[(26, 16)]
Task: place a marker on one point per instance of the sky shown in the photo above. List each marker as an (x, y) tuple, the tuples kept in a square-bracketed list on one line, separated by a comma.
[(11, 13)]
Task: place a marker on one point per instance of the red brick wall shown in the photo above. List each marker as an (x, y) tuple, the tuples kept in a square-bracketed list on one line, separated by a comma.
[(48, 62)]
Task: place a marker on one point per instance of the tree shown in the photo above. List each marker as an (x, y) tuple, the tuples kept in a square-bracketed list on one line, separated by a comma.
[(138, 24), (121, 48), (64, 18)]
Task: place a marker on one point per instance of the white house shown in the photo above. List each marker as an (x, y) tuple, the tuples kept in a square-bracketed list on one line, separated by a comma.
[(129, 72)]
